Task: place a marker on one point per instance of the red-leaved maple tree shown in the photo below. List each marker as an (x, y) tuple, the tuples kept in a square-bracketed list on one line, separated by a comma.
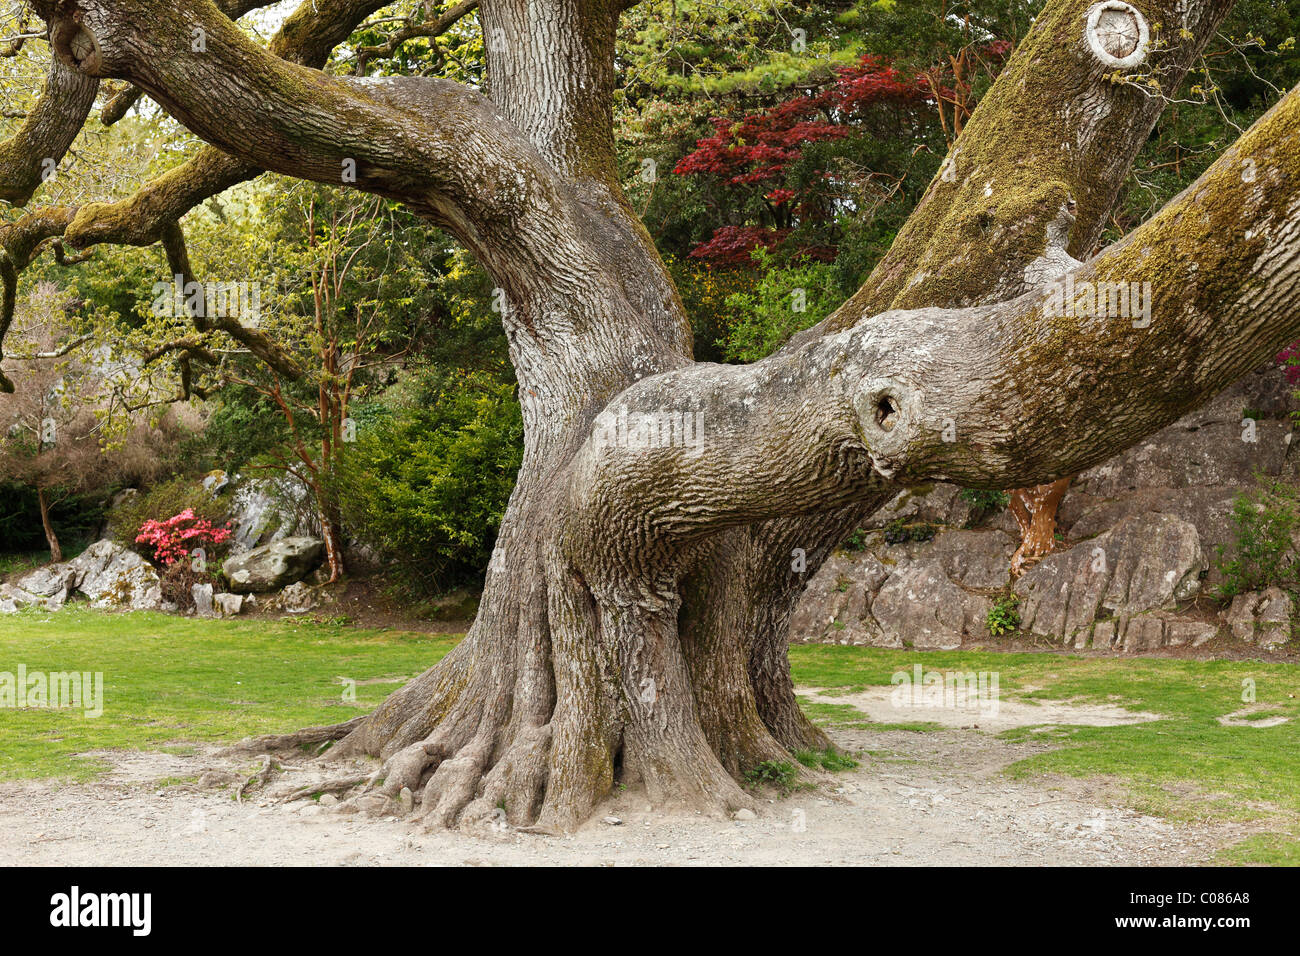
[(752, 157)]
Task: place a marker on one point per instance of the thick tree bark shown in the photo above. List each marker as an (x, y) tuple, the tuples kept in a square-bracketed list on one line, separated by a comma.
[(634, 617)]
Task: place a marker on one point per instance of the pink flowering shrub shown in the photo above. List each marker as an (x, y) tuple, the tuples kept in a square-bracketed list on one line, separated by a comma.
[(1289, 359), (173, 540)]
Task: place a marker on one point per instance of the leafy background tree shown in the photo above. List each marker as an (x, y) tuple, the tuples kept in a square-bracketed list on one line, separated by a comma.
[(73, 427)]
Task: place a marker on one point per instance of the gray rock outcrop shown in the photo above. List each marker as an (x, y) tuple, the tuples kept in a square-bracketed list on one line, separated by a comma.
[(275, 565), (106, 573), (1139, 537)]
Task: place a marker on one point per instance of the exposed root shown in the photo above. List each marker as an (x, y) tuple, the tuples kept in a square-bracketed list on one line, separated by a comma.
[(451, 788), (514, 788), (527, 723), (269, 766), (405, 769), (268, 743), (328, 786)]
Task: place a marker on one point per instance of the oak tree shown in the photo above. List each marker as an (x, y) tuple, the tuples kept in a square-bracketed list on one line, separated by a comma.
[(668, 512)]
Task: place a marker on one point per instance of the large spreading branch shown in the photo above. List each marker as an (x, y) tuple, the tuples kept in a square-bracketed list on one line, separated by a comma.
[(1007, 394), (1033, 176), (33, 153)]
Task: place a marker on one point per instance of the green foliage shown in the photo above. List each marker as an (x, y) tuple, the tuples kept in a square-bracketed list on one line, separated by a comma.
[(857, 541), (20, 562), (243, 426), (76, 519), (985, 501), (899, 531), (426, 482), (1250, 62), (830, 759), (1004, 615), (164, 501), (784, 300), (1261, 553), (455, 55), (777, 773), (705, 289)]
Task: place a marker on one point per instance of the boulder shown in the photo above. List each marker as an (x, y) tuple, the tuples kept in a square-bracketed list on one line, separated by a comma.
[(1209, 446), (1182, 632), (202, 594), (1152, 631), (263, 511), (919, 606), (835, 601), (275, 565), (52, 581), (107, 573), (13, 598), (1207, 509), (113, 577), (975, 559), (296, 599), (1261, 616), (215, 481), (227, 605), (931, 504), (1146, 562)]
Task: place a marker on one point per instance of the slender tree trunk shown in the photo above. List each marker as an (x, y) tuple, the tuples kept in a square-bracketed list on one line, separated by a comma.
[(332, 534), (1035, 512), (56, 552)]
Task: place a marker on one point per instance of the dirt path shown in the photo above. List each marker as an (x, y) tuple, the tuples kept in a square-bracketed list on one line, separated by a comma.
[(917, 799)]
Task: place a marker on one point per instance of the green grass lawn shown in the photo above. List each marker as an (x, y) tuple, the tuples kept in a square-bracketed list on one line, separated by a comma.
[(169, 681)]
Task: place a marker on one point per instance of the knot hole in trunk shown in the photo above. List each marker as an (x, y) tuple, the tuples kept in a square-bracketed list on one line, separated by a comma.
[(886, 413)]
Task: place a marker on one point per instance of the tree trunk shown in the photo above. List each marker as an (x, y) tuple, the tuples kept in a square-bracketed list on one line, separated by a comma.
[(332, 533), (1035, 512), (634, 618), (56, 552)]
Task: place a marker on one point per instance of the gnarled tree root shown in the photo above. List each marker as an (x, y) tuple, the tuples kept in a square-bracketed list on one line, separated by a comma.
[(270, 743)]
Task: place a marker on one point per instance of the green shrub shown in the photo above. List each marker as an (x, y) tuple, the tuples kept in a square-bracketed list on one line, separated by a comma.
[(77, 518), (785, 300), (984, 502), (427, 480), (857, 541), (1260, 554), (162, 502), (1004, 615), (779, 773), (899, 531), (241, 427)]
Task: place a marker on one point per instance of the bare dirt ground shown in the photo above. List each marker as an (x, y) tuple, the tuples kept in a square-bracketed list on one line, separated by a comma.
[(917, 799), (999, 715)]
